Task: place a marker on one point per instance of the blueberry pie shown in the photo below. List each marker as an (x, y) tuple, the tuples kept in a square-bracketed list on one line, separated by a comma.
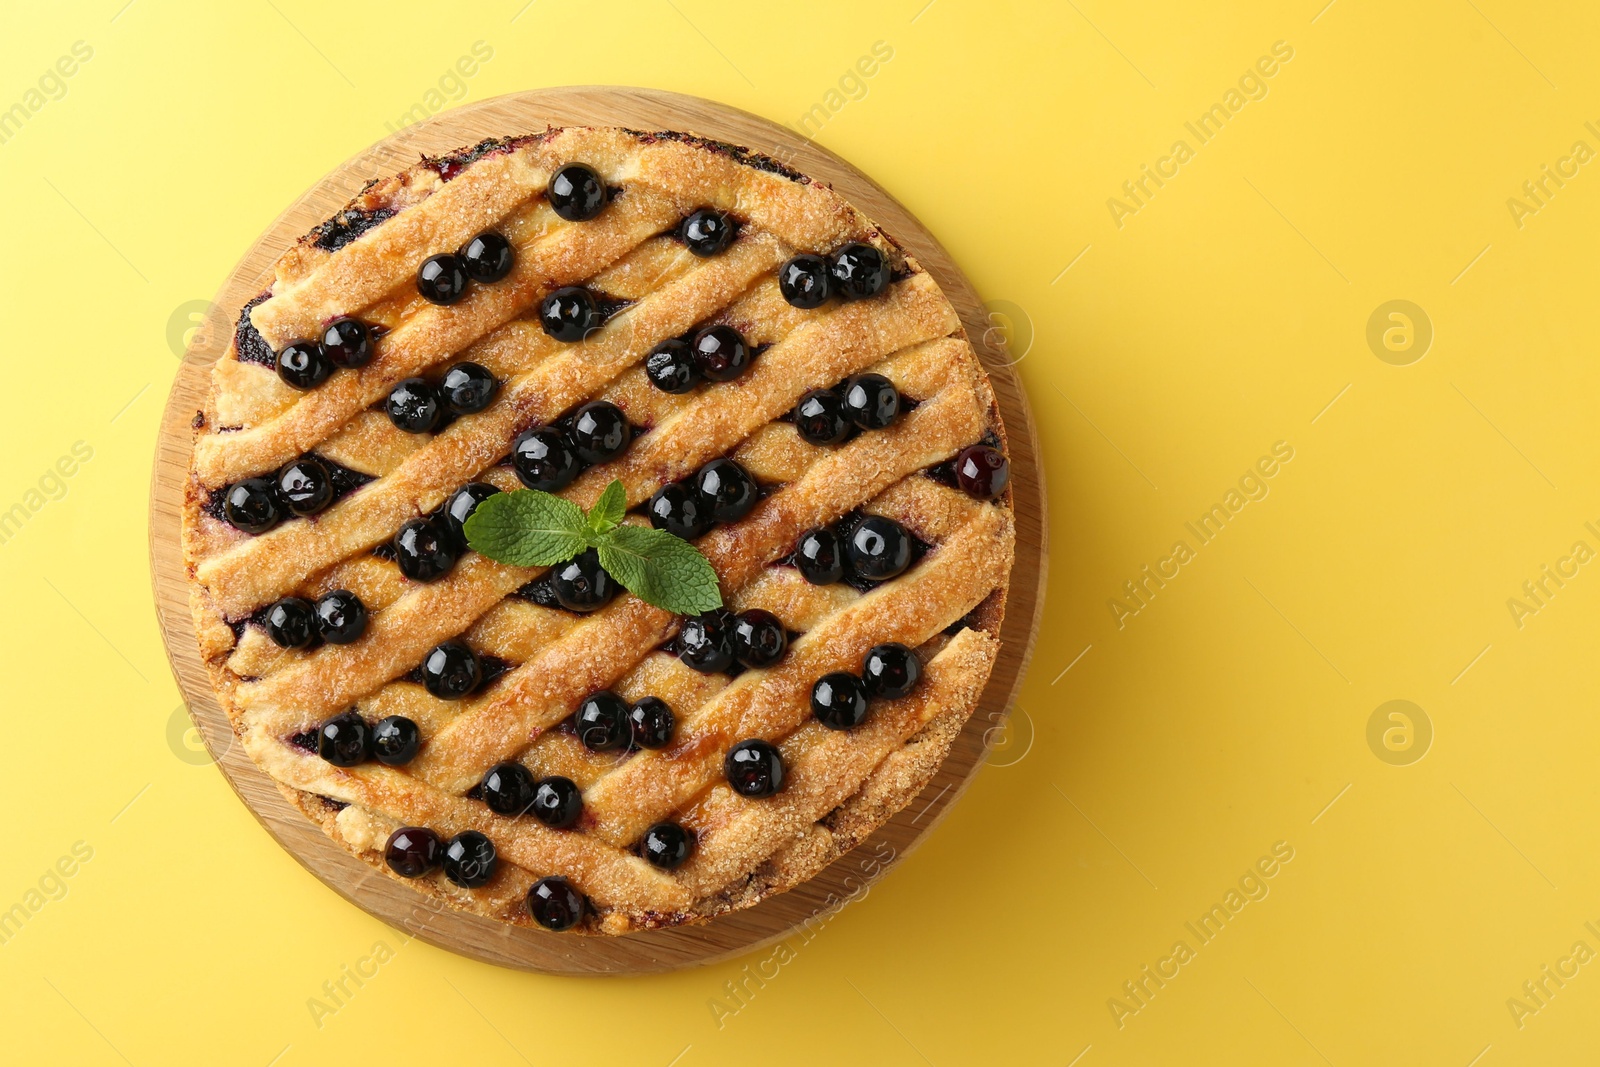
[(767, 374)]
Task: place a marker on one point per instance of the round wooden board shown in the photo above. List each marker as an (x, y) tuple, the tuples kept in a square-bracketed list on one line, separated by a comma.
[(472, 935)]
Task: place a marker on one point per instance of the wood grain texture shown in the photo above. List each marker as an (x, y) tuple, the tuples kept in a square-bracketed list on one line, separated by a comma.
[(476, 936)]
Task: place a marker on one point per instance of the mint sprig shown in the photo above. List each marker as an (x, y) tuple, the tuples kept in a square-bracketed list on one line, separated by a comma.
[(527, 528)]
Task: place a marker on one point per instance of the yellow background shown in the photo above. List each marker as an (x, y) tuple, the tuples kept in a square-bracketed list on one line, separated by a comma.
[(1229, 313)]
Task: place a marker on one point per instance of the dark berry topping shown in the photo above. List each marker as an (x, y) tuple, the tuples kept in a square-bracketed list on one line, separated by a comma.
[(344, 740), (395, 740), (414, 406), (424, 549), (487, 257), (871, 401), (982, 472), (305, 486), (348, 342), (451, 670), (462, 503), (720, 353), (581, 584), (346, 226), (247, 340), (707, 232), (602, 722), (569, 313), (706, 641), (728, 488), (341, 617), (859, 271), (508, 788), (442, 279), (879, 549), (680, 511), (754, 768), (468, 388), (666, 845), (252, 505), (469, 859), (545, 460), (291, 623), (805, 281), (839, 700), (819, 556), (820, 418), (600, 432), (412, 851), (554, 904), (576, 193), (670, 367), (557, 802), (759, 638), (891, 671), (652, 722), (303, 365)]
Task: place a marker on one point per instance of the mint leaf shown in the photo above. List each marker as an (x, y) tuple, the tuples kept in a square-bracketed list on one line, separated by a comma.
[(661, 569), (527, 528), (609, 509)]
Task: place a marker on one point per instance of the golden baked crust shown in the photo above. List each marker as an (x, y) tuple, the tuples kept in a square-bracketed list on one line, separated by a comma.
[(839, 786)]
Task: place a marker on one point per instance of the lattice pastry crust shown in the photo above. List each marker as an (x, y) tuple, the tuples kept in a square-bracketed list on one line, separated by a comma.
[(840, 785)]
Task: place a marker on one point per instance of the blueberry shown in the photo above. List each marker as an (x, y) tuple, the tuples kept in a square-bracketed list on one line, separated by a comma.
[(344, 740), (820, 418), (451, 670), (706, 641), (600, 432), (304, 484), (508, 788), (758, 638), (348, 342), (462, 503), (569, 314), (341, 617), (819, 556), (412, 851), (871, 401), (602, 722), (557, 802), (754, 768), (720, 353), (487, 257), (395, 740), (728, 488), (859, 271), (670, 367), (652, 722), (469, 859), (680, 511), (707, 232), (424, 550), (554, 904), (805, 281), (666, 845), (879, 549), (468, 388), (581, 584), (576, 193), (982, 472), (890, 670), (414, 406), (442, 279), (252, 505), (839, 700), (303, 365), (544, 459), (291, 623)]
